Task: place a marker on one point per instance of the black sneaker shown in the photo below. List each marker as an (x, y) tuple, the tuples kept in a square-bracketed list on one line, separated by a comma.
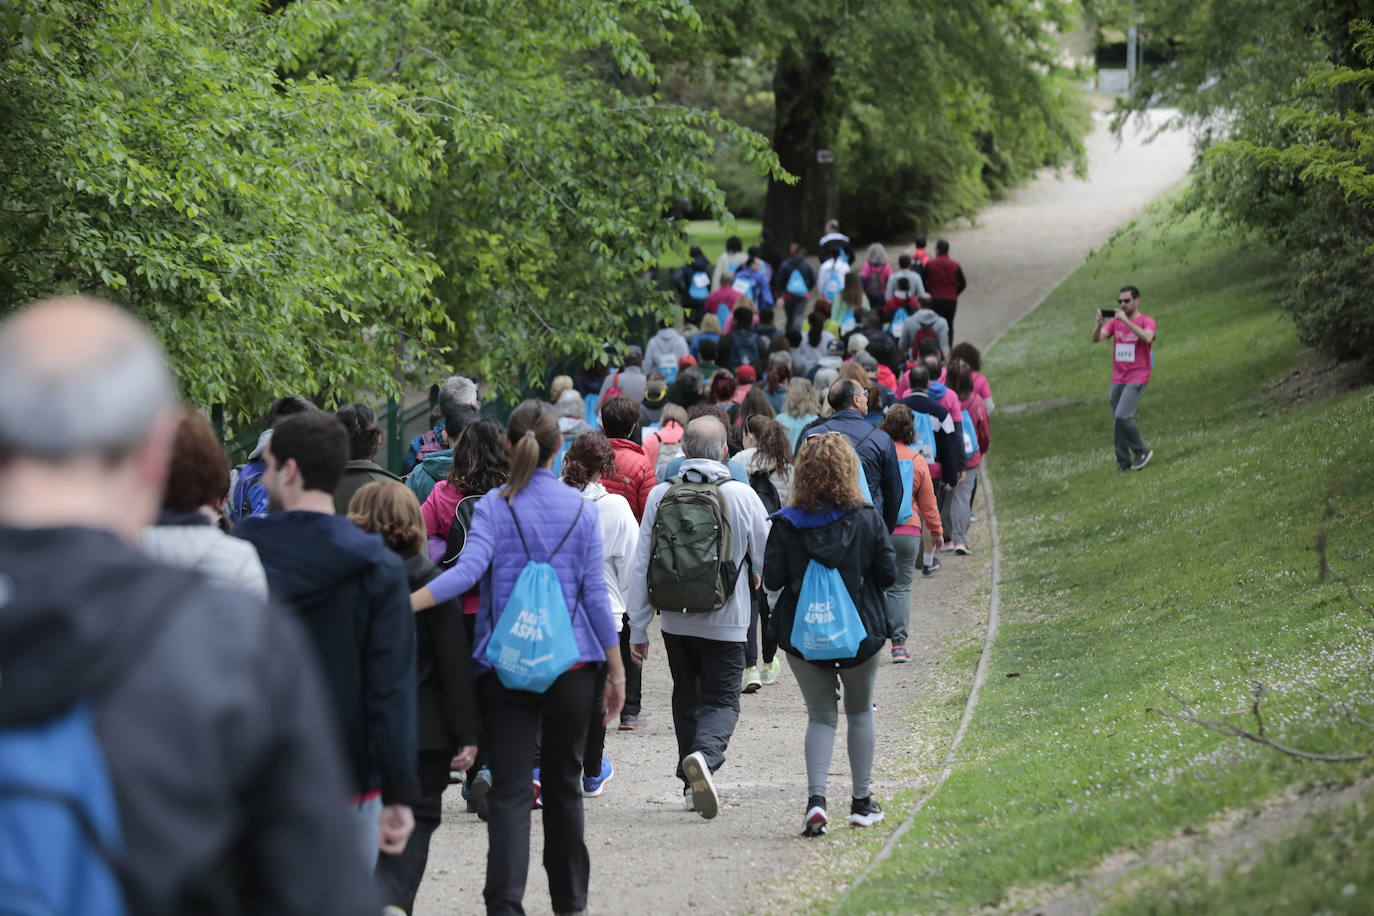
[(864, 812), (815, 822), (931, 569), (1143, 460)]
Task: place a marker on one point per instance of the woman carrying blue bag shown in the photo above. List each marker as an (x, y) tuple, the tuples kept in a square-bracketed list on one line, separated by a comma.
[(830, 557), (544, 627)]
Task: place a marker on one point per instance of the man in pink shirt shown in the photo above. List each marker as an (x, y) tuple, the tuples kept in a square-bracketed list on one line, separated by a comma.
[(1133, 336)]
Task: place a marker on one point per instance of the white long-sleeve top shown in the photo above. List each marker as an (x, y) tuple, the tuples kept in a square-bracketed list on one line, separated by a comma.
[(619, 536)]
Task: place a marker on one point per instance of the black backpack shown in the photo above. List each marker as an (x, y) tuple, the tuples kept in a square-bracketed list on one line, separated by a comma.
[(458, 531), (875, 288), (768, 494)]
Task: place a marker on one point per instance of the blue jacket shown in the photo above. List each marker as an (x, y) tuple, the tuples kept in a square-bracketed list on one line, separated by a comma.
[(494, 556), (877, 456)]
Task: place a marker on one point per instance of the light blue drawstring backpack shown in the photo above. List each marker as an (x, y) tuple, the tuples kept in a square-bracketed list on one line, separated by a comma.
[(532, 643), (827, 625)]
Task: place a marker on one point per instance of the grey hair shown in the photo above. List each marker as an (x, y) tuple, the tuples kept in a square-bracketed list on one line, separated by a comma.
[(99, 395), (780, 358), (456, 391), (856, 343), (570, 404), (704, 438)]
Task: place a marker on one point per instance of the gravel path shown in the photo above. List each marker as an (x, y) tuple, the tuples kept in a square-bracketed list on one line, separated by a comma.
[(649, 855)]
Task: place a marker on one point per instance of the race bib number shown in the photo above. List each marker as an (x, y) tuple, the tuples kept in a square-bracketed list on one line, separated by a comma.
[(1125, 352)]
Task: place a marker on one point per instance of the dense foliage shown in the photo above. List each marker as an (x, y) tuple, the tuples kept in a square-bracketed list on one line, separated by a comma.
[(929, 108), (1283, 94), (304, 196)]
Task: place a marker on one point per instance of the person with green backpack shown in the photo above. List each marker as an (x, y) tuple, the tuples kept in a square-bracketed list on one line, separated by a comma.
[(830, 559), (701, 528)]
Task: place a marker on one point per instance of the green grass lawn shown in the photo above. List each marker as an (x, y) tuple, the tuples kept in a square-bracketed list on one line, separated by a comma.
[(1196, 576), (711, 236)]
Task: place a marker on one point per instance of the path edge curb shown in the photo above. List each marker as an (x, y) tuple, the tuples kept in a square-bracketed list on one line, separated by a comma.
[(970, 705)]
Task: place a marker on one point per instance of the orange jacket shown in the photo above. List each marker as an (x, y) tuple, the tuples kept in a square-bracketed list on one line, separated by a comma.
[(923, 504)]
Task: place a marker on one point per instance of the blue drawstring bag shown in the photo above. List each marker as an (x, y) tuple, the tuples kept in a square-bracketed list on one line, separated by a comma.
[(827, 625), (796, 284), (907, 468), (532, 643), (970, 436), (924, 443)]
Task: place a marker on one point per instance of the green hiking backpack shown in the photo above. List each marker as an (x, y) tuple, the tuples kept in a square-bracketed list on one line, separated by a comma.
[(691, 566)]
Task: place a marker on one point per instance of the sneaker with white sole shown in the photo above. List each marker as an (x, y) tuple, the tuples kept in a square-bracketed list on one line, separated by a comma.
[(698, 774), (816, 820), (751, 681), (864, 812), (947, 547), (962, 550), (1142, 460), (593, 786), (770, 672), (932, 569), (900, 656)]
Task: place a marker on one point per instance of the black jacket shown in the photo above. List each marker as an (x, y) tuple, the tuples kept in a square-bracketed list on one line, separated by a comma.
[(445, 689), (741, 346), (351, 594), (210, 713), (877, 456), (784, 273), (855, 543)]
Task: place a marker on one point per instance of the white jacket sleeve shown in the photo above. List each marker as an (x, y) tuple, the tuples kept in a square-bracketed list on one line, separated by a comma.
[(637, 593)]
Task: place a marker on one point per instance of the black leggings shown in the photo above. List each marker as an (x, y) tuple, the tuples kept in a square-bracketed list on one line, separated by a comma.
[(514, 720), (759, 614)]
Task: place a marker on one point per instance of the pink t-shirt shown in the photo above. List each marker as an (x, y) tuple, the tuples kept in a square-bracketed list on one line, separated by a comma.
[(1131, 356)]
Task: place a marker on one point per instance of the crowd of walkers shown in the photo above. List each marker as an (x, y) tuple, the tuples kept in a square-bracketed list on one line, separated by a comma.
[(763, 477)]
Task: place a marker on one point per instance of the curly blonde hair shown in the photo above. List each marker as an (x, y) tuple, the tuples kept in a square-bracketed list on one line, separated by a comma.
[(387, 508), (826, 474)]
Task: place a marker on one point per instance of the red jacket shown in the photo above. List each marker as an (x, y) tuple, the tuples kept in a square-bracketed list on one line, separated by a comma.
[(944, 277), (633, 477)]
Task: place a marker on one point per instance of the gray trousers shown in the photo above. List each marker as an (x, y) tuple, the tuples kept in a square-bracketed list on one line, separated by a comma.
[(1126, 435), (898, 597), (817, 685), (957, 508)]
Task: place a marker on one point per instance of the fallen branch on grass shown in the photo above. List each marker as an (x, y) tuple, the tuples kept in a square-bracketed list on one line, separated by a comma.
[(1235, 730)]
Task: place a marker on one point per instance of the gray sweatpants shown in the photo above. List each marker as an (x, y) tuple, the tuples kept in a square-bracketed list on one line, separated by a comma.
[(898, 597), (1126, 435), (818, 691), (954, 514)]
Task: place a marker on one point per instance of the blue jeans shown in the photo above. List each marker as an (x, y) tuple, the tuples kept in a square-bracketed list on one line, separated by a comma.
[(1126, 435)]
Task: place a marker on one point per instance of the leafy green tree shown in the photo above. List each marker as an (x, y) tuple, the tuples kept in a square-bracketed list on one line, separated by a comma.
[(1283, 97), (333, 196), (928, 108)]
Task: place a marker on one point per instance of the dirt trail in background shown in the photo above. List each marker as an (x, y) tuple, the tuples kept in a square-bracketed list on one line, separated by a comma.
[(649, 855)]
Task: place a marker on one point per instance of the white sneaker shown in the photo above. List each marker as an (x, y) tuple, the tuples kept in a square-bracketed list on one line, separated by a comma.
[(703, 788), (752, 680)]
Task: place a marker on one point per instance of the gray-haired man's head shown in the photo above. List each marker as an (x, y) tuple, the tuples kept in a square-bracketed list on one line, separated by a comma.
[(88, 413), (705, 438), (78, 376)]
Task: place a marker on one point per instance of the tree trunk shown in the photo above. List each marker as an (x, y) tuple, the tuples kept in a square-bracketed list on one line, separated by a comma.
[(806, 121)]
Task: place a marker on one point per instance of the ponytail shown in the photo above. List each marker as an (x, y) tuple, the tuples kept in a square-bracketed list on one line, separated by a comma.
[(816, 320), (533, 437)]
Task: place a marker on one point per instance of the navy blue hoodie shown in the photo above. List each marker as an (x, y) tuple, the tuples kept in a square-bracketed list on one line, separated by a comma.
[(353, 598)]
